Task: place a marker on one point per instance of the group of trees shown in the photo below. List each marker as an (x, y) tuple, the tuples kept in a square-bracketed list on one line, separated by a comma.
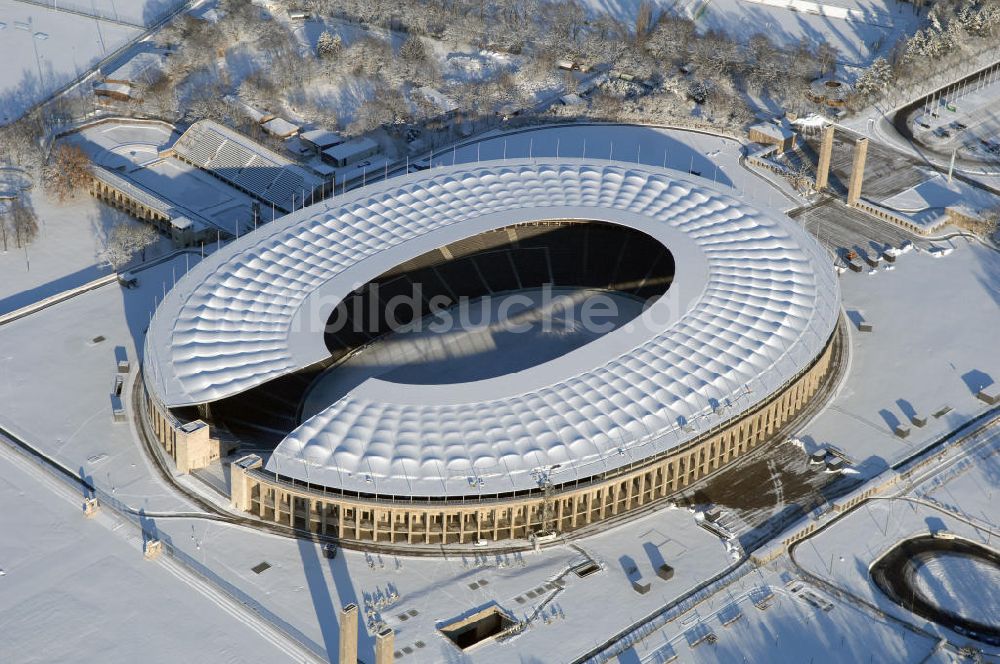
[(18, 224), (396, 57), (955, 30)]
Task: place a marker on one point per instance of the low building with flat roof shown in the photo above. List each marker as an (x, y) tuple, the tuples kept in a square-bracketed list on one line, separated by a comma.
[(280, 128), (350, 152), (317, 140), (772, 133)]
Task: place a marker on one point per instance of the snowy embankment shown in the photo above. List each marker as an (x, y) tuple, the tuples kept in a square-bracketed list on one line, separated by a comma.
[(44, 49)]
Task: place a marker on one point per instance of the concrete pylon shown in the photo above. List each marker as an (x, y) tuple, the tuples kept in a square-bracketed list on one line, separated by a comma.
[(857, 171), (825, 155), (385, 641), (349, 635)]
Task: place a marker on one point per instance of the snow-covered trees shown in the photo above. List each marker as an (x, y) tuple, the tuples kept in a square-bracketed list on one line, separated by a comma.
[(670, 41), (387, 106), (952, 29), (21, 141), (874, 79), (413, 50), (127, 239), (329, 45)]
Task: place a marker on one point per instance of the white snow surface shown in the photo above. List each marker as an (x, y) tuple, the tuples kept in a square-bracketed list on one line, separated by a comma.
[(902, 367), (75, 591), (859, 30), (960, 585), (753, 302), (937, 192), (34, 67)]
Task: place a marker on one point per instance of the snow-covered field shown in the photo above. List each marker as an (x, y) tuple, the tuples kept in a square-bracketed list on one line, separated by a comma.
[(925, 204), (937, 192), (804, 621), (961, 585), (65, 254), (75, 589), (858, 40), (72, 234), (42, 49), (933, 344), (843, 552), (790, 631), (56, 385)]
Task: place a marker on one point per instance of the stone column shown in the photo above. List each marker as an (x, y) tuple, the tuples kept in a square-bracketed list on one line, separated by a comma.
[(384, 644), (857, 171), (348, 635), (825, 154)]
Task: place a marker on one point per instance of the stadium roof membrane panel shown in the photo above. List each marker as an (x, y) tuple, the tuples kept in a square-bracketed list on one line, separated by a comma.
[(754, 300)]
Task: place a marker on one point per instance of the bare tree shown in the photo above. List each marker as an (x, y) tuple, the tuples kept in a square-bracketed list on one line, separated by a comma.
[(24, 222), (643, 20), (3, 225), (826, 57), (68, 171)]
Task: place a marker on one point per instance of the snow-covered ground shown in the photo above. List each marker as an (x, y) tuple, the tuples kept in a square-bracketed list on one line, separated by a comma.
[(805, 621), (65, 254), (72, 234), (56, 385), (964, 586), (971, 486), (791, 630), (937, 193), (933, 344), (42, 49), (870, 31), (844, 551), (75, 589), (925, 204)]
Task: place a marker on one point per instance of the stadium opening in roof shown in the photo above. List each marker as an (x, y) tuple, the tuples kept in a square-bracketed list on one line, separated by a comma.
[(488, 351)]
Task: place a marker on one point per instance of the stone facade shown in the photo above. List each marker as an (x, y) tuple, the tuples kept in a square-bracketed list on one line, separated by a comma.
[(189, 444), (562, 508)]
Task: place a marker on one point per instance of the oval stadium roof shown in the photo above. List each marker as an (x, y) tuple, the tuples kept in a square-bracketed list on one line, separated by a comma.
[(754, 300)]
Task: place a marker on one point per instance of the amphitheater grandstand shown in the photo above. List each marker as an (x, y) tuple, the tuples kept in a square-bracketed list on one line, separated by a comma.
[(247, 165)]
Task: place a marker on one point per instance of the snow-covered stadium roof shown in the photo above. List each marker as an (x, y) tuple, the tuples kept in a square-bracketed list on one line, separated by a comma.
[(753, 302)]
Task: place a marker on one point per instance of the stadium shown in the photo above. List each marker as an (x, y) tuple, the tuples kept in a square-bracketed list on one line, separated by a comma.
[(340, 413)]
